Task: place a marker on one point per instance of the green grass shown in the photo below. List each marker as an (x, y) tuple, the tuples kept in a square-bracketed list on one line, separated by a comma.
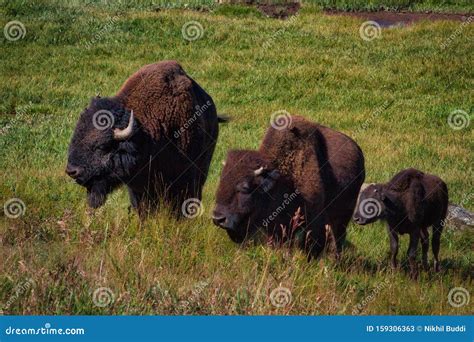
[(457, 6), (314, 65), (461, 6)]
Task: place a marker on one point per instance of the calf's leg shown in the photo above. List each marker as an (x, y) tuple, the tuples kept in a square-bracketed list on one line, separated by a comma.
[(393, 247), (424, 236), (435, 242), (412, 247)]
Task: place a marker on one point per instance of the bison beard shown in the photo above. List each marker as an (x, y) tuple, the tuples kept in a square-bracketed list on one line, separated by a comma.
[(97, 193)]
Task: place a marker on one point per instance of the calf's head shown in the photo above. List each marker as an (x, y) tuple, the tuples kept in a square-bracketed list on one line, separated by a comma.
[(246, 182), (101, 153), (371, 204)]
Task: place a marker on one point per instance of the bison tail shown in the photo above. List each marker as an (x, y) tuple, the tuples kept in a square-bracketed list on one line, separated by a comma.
[(223, 118)]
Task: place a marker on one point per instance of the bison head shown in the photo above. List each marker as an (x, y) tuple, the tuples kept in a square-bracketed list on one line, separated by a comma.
[(371, 205), (102, 153), (244, 189)]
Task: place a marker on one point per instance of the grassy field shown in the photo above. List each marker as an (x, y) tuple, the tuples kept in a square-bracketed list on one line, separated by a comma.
[(393, 94), (396, 5)]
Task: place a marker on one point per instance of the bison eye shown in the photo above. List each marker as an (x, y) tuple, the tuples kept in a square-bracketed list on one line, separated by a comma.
[(244, 187), (105, 147)]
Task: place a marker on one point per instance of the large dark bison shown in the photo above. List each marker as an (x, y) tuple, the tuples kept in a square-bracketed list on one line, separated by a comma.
[(305, 166), (410, 202), (156, 135)]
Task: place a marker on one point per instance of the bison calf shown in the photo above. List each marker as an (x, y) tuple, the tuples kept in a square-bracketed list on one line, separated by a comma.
[(306, 166), (410, 202)]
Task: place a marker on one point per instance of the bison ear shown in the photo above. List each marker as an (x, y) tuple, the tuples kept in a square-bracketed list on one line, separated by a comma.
[(266, 178), (295, 131)]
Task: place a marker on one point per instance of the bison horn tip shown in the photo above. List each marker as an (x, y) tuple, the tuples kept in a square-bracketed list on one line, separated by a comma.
[(258, 171), (122, 134)]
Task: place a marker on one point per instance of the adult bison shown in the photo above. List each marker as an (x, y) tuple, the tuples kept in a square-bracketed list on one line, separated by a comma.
[(306, 166), (156, 136)]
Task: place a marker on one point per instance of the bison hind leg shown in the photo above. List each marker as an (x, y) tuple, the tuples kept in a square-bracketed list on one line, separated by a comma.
[(339, 231), (435, 243)]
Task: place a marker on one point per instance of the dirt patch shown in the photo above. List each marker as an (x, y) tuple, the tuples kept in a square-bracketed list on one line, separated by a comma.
[(279, 11), (389, 19)]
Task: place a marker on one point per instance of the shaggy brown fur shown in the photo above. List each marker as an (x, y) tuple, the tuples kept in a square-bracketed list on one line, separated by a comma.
[(325, 168), (169, 153), (161, 97), (410, 202)]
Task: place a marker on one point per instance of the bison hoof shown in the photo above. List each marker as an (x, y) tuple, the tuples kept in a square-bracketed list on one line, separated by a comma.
[(426, 266), (414, 274)]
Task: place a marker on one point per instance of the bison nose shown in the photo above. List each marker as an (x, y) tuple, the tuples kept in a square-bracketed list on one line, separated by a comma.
[(218, 219), (73, 171)]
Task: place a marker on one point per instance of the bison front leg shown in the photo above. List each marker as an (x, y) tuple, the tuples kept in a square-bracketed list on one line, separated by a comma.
[(339, 230), (140, 202), (393, 235)]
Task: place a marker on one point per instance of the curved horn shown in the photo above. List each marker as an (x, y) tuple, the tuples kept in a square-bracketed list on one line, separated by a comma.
[(122, 134), (258, 171)]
